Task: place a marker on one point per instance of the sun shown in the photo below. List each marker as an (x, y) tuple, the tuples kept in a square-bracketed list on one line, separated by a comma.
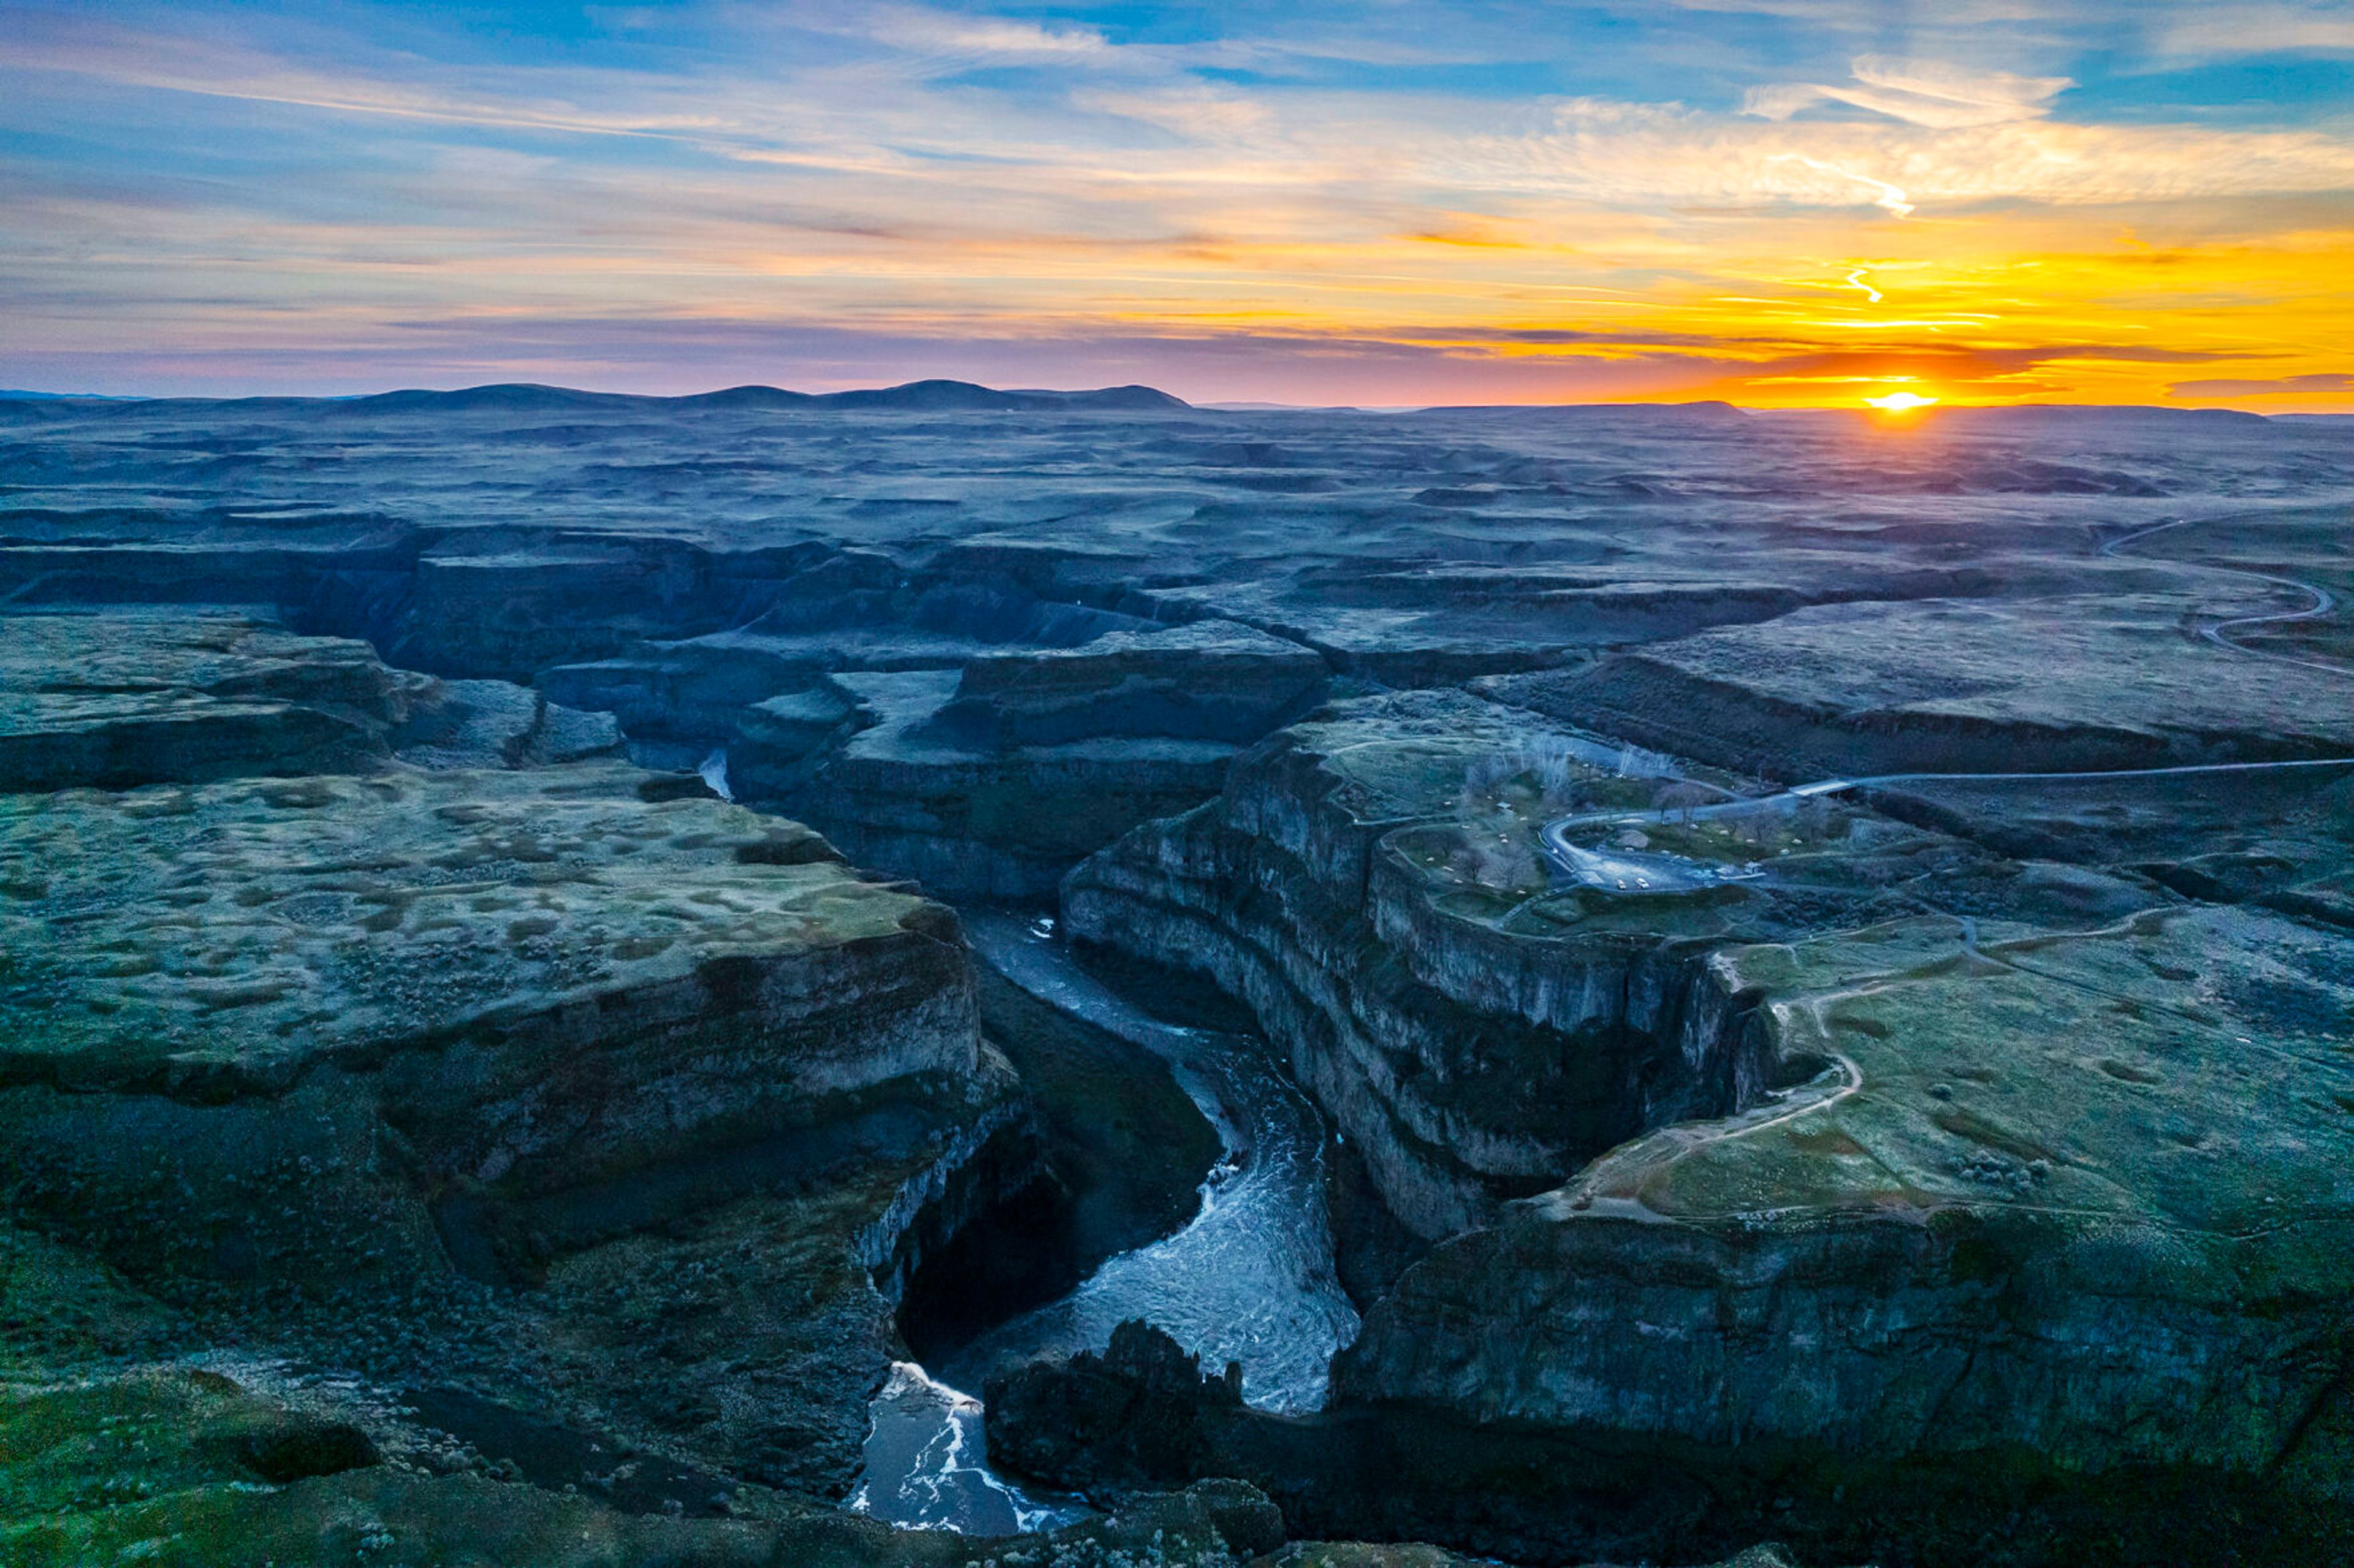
[(1899, 402)]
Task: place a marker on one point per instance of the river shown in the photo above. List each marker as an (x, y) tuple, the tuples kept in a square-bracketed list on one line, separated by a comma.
[(1249, 1279)]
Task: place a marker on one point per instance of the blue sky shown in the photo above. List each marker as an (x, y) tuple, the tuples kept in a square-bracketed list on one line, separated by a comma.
[(1774, 200)]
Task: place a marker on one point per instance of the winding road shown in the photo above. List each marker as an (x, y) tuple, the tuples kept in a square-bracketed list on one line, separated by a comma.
[(1665, 876), (1672, 874), (2324, 602)]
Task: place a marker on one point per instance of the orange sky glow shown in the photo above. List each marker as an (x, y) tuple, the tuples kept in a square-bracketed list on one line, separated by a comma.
[(1781, 203)]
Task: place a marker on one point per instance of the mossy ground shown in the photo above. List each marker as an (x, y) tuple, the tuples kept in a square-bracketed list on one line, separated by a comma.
[(2185, 1069)]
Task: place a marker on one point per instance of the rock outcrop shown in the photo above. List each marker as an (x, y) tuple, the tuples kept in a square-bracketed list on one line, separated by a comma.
[(130, 697), (495, 723), (990, 782), (2072, 682), (1141, 1411), (583, 1033), (488, 1061), (1878, 1191), (1210, 680), (1501, 1491), (527, 981), (926, 729), (118, 698), (2034, 1207), (1466, 1063)]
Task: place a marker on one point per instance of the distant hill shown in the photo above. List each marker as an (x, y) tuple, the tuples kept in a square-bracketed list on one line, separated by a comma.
[(524, 397), (20, 395), (2039, 416), (518, 394), (920, 396), (940, 394)]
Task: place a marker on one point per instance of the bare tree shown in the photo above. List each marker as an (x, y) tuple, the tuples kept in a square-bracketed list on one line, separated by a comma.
[(1633, 762), (1681, 796), (1544, 760)]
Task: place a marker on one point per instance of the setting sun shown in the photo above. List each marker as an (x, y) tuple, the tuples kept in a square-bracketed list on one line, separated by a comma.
[(1900, 402)]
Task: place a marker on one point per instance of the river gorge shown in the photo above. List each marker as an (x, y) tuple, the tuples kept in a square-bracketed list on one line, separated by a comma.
[(1249, 1280)]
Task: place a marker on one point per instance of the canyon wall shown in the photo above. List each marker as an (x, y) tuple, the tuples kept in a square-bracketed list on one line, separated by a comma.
[(457, 1062), (1789, 1166), (1467, 1064)]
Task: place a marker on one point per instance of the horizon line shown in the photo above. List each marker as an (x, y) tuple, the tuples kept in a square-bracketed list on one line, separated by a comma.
[(34, 395)]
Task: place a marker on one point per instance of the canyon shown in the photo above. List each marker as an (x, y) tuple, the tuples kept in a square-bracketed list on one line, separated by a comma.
[(595, 978)]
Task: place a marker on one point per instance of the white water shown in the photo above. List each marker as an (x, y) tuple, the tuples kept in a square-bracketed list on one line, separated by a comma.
[(1250, 1280), (925, 1470), (714, 770)]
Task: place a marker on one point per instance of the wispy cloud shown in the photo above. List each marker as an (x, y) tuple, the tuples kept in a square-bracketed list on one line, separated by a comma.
[(1668, 155), (2209, 32), (2328, 381), (1931, 93), (969, 38)]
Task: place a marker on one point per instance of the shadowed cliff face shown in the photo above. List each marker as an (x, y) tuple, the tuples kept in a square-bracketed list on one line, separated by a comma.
[(2034, 1197), (481, 1105), (287, 1052), (1468, 1061), (1142, 1414)]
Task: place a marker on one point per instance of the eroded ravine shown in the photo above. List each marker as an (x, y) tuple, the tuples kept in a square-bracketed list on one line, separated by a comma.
[(1250, 1280)]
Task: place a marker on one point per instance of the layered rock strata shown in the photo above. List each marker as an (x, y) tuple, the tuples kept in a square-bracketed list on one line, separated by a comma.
[(288, 1052), (979, 727), (991, 781), (2044, 684), (621, 1116), (1140, 1415), (1924, 1156), (1209, 679), (531, 980), (116, 698), (496, 724), (2038, 1205), (130, 698), (1466, 1064)]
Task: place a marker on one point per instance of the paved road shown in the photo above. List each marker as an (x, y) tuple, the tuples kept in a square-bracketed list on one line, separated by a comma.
[(2220, 633), (1576, 862), (1630, 871)]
